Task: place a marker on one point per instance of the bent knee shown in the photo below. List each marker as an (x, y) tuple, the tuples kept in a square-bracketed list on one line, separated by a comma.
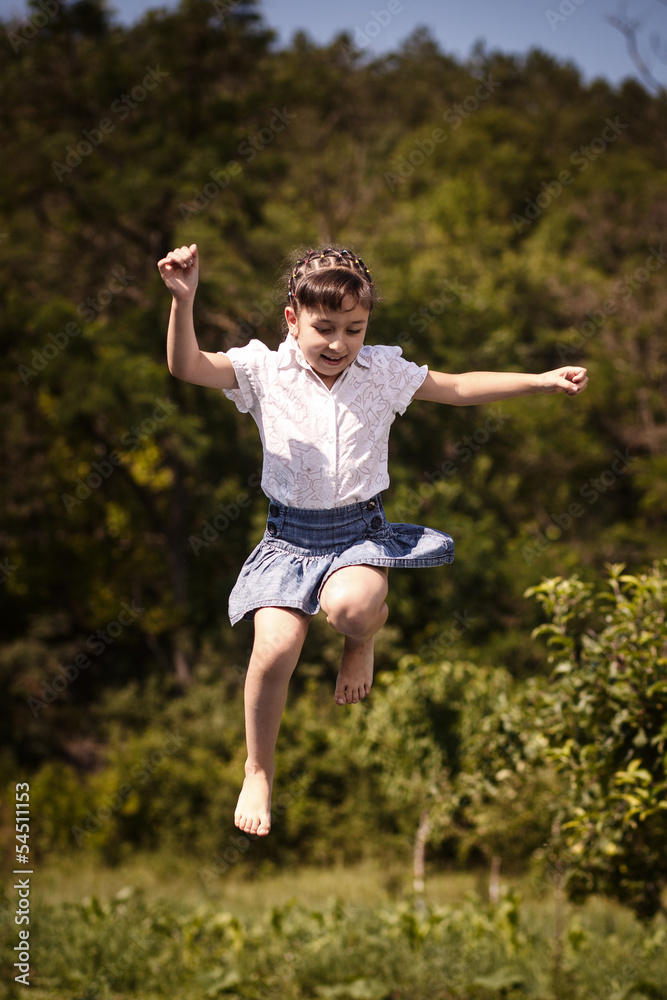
[(355, 619)]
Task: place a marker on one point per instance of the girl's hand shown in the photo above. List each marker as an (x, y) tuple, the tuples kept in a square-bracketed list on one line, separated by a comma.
[(180, 271), (570, 380)]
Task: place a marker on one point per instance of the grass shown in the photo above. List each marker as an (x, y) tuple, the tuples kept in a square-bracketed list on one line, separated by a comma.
[(149, 929), (166, 878)]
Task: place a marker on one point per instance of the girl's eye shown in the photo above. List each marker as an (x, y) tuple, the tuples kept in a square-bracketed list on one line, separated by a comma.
[(326, 331)]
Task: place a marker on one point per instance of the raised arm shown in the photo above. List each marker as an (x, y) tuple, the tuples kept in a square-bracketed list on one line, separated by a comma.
[(180, 273), (490, 387)]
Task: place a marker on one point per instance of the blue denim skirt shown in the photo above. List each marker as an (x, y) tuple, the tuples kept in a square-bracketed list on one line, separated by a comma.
[(301, 548)]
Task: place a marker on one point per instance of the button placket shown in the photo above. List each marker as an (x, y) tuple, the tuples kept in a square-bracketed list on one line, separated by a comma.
[(275, 512), (334, 444), (375, 522)]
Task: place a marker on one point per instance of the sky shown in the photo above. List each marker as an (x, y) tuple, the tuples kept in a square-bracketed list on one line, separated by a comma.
[(575, 30)]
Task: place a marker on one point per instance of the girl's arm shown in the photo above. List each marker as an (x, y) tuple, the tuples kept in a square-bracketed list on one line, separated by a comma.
[(180, 273), (490, 387)]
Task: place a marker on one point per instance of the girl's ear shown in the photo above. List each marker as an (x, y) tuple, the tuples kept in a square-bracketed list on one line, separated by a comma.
[(290, 316)]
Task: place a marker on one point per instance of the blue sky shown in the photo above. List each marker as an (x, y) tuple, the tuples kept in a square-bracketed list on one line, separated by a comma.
[(570, 29)]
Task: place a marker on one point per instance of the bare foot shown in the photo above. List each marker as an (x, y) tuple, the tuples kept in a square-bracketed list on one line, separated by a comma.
[(355, 676), (253, 809)]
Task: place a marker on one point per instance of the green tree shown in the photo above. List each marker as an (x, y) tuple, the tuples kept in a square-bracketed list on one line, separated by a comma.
[(84, 220), (603, 717), (419, 738)]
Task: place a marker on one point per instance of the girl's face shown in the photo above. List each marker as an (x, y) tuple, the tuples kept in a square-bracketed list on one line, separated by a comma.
[(329, 339)]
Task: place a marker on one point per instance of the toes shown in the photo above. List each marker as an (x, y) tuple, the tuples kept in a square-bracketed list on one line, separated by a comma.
[(348, 695), (253, 825)]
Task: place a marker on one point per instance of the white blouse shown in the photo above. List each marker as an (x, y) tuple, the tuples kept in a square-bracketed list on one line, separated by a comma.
[(323, 447)]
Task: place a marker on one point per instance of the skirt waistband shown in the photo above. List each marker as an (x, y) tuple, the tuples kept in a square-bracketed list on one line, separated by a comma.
[(325, 528)]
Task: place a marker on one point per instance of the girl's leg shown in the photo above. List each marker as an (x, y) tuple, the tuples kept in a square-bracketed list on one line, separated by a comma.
[(279, 638), (353, 599)]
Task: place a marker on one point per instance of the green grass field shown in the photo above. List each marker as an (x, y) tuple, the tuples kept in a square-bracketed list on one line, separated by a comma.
[(151, 929), (168, 878)]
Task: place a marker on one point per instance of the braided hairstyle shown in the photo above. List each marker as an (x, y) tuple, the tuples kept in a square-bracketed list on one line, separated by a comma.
[(326, 277)]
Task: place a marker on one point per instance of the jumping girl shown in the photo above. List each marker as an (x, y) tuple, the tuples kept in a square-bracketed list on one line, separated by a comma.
[(324, 403)]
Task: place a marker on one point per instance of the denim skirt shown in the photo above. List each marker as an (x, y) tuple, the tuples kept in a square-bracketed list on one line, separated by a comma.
[(301, 548)]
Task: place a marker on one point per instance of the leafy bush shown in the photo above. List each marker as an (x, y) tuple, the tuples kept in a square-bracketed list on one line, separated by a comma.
[(128, 945), (448, 745), (603, 721), (569, 771)]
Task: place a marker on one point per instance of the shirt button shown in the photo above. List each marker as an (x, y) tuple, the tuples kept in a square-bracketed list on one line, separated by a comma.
[(371, 504), (376, 523), (274, 511), (271, 528)]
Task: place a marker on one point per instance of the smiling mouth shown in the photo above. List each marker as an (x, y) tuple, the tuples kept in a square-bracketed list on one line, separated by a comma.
[(332, 361)]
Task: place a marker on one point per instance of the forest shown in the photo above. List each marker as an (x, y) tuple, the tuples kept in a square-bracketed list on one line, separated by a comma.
[(513, 218)]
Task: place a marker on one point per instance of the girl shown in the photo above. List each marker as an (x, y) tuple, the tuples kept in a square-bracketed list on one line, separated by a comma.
[(324, 403)]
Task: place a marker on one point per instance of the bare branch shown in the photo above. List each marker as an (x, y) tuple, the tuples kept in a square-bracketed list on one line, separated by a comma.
[(628, 29)]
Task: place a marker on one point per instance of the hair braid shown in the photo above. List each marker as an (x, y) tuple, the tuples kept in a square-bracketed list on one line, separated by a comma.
[(327, 258)]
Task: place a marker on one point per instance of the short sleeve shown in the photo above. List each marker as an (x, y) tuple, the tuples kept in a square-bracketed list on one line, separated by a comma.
[(401, 378), (250, 365)]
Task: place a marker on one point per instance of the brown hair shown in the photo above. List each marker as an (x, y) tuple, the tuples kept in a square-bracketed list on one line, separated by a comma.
[(325, 277)]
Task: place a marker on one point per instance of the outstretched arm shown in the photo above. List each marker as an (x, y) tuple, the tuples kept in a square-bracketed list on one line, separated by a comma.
[(490, 387), (180, 273)]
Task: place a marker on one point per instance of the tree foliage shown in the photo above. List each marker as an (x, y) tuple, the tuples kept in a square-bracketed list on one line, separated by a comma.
[(513, 219), (603, 722), (568, 770)]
